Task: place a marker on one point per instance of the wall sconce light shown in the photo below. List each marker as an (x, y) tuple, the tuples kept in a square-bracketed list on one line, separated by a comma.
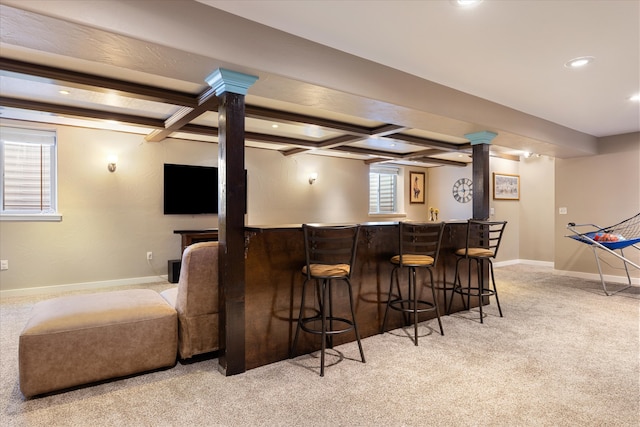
[(111, 163), (313, 177)]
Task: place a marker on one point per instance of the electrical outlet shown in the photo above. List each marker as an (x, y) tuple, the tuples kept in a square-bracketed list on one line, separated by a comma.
[(149, 256), (4, 264), (562, 211)]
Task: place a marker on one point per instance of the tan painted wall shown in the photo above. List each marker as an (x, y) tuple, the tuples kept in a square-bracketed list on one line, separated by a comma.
[(529, 232), (602, 190), (537, 185), (111, 220), (507, 210), (440, 196)]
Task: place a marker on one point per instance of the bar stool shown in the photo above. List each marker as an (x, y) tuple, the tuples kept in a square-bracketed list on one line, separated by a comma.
[(482, 243), (419, 249), (330, 253)]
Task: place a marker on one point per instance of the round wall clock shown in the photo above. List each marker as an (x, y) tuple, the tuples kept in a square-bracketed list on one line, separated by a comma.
[(463, 190)]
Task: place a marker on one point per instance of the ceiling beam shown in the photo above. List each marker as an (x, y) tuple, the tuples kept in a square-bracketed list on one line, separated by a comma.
[(85, 113), (505, 156), (207, 101), (367, 151), (387, 130), (325, 145), (278, 140), (437, 161), (426, 142), (376, 160), (424, 153), (292, 151), (422, 156), (338, 141), (295, 118), (200, 130), (97, 83), (250, 136)]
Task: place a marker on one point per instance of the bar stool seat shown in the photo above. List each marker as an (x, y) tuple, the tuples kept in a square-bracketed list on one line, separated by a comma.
[(482, 244), (321, 270), (330, 253), (419, 246), (412, 259), (475, 252)]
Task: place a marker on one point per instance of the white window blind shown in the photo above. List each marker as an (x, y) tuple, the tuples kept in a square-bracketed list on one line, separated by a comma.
[(383, 185), (28, 159)]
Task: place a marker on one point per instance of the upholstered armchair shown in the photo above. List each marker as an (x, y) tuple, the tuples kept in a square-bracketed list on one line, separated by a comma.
[(196, 300)]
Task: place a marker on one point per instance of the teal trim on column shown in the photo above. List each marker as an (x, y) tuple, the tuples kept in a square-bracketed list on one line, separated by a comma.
[(223, 80), (484, 137)]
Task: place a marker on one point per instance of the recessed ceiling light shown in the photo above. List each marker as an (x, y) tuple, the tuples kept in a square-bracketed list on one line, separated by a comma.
[(64, 92), (274, 126), (635, 97), (465, 3), (579, 62)]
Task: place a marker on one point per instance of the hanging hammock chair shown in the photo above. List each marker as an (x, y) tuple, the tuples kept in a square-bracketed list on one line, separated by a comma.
[(612, 240)]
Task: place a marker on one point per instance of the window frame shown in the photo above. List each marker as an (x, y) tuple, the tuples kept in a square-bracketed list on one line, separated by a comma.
[(48, 140), (392, 171)]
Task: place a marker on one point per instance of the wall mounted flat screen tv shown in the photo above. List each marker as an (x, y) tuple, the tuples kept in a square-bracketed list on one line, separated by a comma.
[(190, 190)]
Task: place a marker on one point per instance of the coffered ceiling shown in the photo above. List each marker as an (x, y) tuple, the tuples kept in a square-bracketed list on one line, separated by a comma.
[(349, 88)]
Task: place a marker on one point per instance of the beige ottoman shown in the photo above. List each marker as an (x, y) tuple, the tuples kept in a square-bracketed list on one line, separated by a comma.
[(79, 339)]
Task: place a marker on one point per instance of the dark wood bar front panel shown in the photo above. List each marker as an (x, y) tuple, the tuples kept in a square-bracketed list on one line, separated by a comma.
[(275, 256)]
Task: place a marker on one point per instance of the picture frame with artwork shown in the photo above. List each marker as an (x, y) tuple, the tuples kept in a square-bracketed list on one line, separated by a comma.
[(416, 187), (506, 186)]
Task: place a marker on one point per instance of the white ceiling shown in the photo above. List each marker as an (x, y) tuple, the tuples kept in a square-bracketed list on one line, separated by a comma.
[(511, 52)]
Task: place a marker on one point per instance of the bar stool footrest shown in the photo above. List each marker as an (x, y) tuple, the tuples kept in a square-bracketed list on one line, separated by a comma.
[(475, 292), (328, 319), (397, 305)]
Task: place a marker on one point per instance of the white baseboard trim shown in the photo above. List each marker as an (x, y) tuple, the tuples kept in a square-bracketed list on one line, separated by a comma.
[(57, 289), (577, 274), (596, 277), (548, 264)]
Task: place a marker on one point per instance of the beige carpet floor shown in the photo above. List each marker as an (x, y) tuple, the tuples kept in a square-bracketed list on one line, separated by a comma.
[(563, 355)]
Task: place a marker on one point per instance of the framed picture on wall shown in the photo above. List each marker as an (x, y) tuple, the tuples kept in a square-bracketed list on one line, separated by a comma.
[(416, 187), (506, 186)]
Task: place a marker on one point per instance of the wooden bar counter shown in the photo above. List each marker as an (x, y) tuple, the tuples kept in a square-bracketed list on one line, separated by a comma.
[(274, 259)]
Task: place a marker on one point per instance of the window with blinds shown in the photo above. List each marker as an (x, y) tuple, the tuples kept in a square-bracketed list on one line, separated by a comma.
[(383, 187), (28, 179)]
